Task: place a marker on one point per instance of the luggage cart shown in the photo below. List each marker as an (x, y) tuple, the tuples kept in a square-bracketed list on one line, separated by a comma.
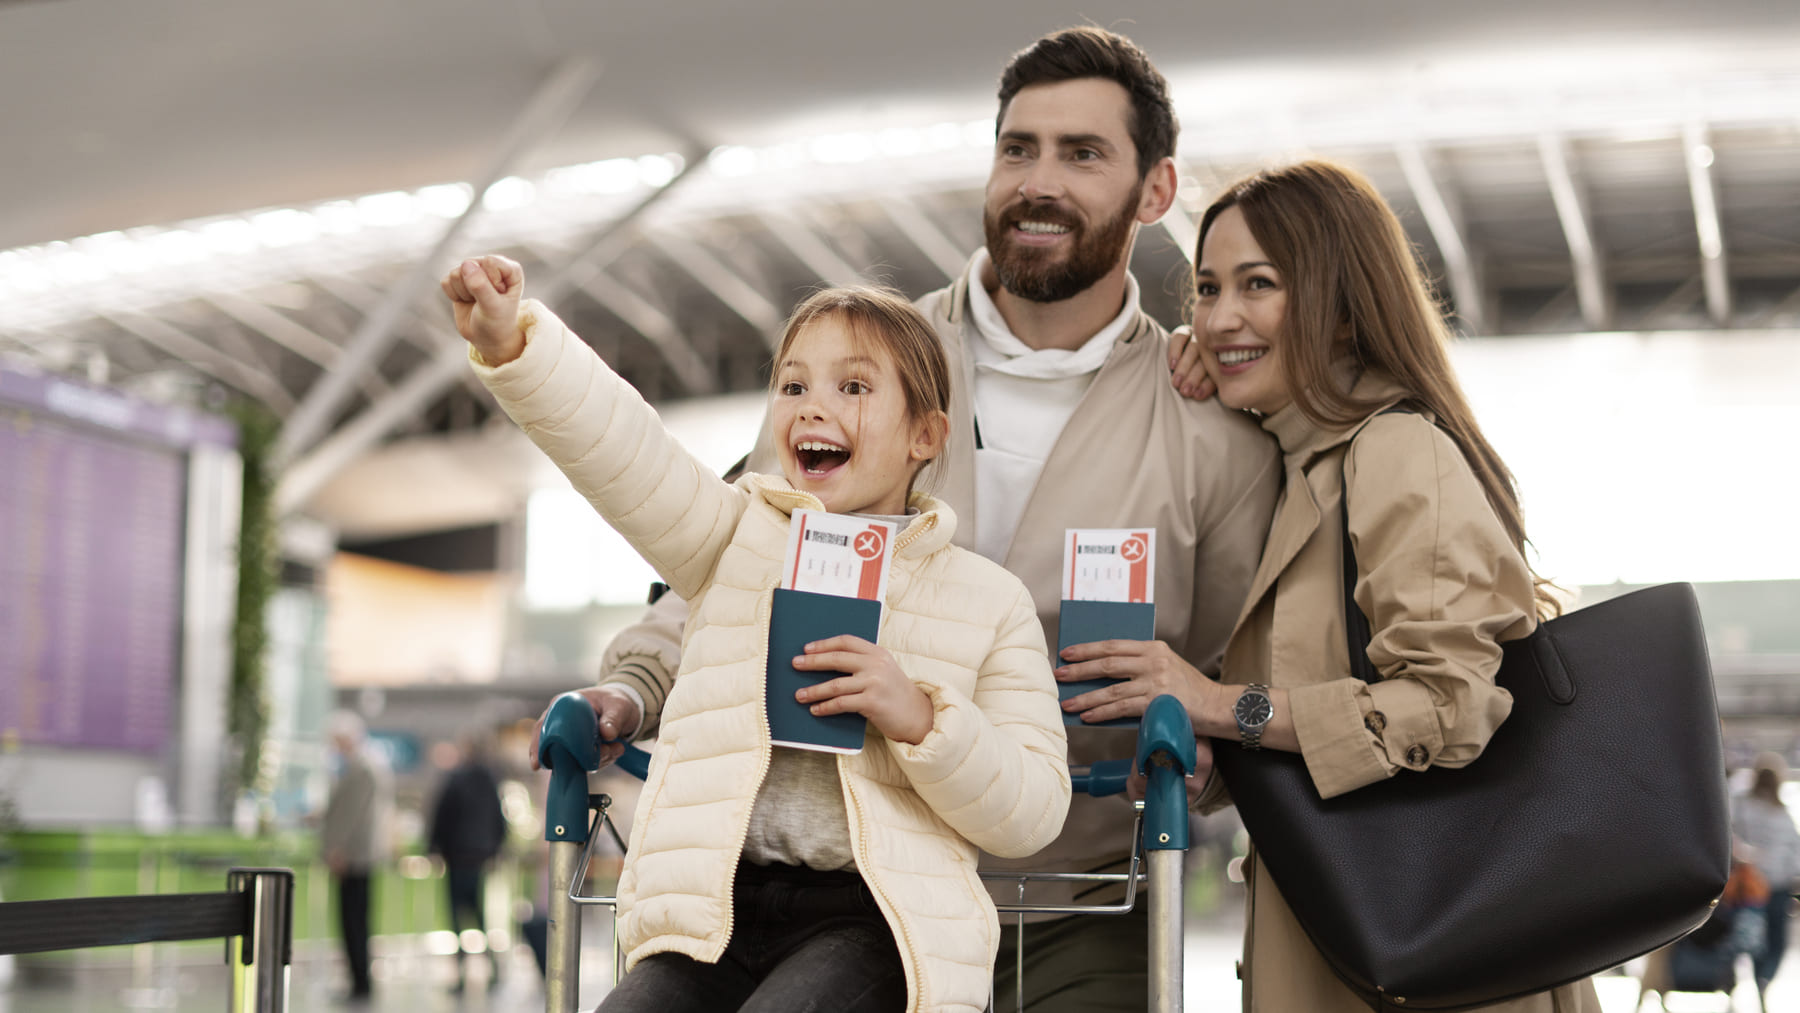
[(569, 748)]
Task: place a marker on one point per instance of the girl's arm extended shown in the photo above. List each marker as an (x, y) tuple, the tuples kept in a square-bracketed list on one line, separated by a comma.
[(996, 767), (672, 509)]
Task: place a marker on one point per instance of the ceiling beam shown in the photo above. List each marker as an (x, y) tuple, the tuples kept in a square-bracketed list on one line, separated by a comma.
[(1585, 254), (300, 340), (1788, 306), (1697, 151), (657, 327), (1444, 217), (726, 285), (922, 232), (649, 319), (555, 99), (202, 356), (611, 240), (303, 479), (306, 476), (810, 250), (1672, 306)]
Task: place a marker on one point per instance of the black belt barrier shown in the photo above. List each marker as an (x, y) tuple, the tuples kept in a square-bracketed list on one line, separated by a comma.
[(34, 926), (257, 908)]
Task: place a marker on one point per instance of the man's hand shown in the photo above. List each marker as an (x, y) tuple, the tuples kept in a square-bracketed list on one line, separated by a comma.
[(872, 685), (484, 293), (1137, 784), (618, 716), (1145, 670), (1187, 370)]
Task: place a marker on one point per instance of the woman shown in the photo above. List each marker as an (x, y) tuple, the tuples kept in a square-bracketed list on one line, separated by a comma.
[(1761, 820), (1312, 313)]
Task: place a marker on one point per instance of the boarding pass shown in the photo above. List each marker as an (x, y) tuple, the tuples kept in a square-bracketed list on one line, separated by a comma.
[(839, 554), (1109, 564)]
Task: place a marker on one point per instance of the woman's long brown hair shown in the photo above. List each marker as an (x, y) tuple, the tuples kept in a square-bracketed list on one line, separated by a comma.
[(1353, 276)]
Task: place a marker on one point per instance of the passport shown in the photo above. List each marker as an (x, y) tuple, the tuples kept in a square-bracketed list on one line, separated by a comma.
[(798, 618), (1083, 622)]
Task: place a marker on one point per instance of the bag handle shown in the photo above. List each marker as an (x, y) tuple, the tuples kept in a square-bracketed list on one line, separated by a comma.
[(1356, 625), (1545, 657)]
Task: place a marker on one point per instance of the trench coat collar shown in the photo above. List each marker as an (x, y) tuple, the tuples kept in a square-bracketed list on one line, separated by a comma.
[(1299, 510)]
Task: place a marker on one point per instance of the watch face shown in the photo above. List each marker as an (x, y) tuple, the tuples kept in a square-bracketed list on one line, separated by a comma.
[(1253, 709)]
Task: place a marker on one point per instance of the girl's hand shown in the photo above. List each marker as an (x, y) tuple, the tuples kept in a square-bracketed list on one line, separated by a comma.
[(1187, 370), (872, 685), (484, 292), (1146, 669)]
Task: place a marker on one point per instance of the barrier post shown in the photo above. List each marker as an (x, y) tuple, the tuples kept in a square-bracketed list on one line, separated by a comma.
[(261, 958), (568, 747), (1166, 755)]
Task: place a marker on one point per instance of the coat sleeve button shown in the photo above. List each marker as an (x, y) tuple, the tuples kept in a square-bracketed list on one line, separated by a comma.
[(1416, 756), (1376, 722)]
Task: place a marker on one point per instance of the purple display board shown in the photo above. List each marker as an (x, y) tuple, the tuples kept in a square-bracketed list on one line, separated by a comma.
[(92, 498)]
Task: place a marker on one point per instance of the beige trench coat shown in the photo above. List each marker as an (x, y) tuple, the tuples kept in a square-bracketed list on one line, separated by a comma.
[(1443, 587)]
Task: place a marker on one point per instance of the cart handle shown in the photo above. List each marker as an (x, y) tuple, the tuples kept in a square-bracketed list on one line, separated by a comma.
[(569, 747), (1166, 754)]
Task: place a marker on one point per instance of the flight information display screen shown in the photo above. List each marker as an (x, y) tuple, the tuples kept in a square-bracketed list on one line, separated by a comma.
[(92, 506)]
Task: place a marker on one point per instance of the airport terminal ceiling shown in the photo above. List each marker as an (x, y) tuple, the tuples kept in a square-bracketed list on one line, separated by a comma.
[(208, 198)]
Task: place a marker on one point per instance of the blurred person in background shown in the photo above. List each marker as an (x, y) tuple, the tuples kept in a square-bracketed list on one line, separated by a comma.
[(1059, 392), (1311, 312), (353, 838), (1762, 821), (468, 828)]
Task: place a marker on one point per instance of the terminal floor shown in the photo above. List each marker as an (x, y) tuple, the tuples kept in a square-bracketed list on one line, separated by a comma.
[(420, 983)]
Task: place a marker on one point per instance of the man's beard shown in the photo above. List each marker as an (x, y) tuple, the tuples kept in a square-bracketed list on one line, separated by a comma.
[(1034, 274)]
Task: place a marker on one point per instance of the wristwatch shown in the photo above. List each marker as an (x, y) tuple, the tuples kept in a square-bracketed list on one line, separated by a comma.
[(1253, 711)]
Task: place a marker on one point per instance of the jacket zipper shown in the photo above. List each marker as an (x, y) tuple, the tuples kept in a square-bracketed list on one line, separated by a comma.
[(888, 909), (765, 752), (915, 979)]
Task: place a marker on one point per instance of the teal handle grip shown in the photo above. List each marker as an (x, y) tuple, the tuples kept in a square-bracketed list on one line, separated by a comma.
[(568, 747), (1166, 755), (635, 762), (1106, 777)]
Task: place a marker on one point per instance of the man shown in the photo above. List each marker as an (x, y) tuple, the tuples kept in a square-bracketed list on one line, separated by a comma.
[(468, 829), (1063, 415), (353, 839)]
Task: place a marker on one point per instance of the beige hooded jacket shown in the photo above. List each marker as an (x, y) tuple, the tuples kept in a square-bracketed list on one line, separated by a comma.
[(990, 775)]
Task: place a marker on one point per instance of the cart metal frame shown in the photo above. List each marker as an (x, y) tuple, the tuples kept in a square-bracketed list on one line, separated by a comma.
[(570, 748)]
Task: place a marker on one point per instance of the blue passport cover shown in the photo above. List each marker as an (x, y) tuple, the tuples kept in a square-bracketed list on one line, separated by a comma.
[(798, 618), (1083, 622)]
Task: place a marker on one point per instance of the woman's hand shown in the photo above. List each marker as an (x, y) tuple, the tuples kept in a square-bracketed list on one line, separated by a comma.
[(484, 293), (872, 685), (1187, 369), (1145, 670)]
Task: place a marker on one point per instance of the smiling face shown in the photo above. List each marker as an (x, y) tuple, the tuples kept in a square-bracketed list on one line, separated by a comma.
[(842, 427), (1064, 193), (1240, 309)]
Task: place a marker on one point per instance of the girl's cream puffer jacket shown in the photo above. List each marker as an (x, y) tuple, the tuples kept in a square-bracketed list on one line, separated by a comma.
[(992, 773)]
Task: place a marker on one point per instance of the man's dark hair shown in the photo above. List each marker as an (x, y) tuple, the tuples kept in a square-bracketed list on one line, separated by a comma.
[(1075, 53)]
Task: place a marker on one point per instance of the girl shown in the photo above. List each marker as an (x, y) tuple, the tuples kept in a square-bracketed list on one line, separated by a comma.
[(765, 878), (1312, 313)]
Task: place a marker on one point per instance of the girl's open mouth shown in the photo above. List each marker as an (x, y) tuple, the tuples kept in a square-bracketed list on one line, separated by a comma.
[(818, 457)]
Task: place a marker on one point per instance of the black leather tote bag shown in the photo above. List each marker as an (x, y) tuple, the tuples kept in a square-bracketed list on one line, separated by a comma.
[(1593, 828)]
